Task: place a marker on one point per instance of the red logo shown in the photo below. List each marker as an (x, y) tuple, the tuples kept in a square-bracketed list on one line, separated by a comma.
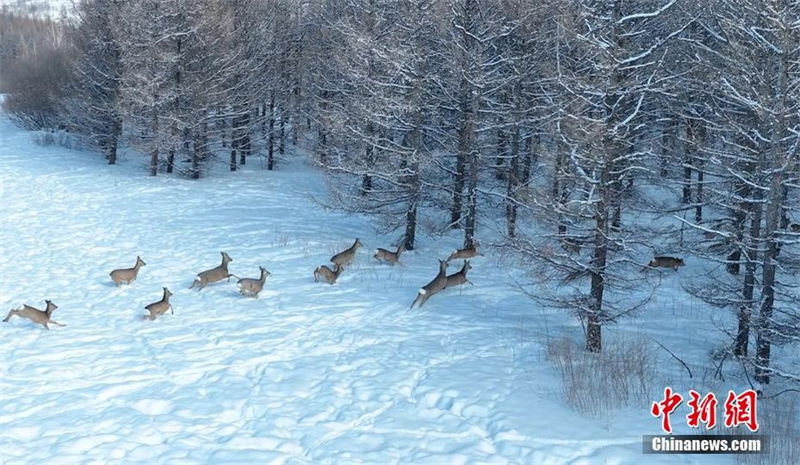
[(739, 410), (703, 411), (665, 407)]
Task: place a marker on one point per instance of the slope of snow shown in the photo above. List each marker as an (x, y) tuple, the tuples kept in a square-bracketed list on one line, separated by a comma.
[(307, 373)]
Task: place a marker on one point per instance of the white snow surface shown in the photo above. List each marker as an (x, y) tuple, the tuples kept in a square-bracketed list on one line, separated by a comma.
[(308, 373)]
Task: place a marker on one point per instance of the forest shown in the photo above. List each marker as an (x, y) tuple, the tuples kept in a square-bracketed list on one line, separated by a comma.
[(594, 135)]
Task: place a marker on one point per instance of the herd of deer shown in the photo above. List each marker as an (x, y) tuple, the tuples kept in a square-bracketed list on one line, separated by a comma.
[(252, 286)]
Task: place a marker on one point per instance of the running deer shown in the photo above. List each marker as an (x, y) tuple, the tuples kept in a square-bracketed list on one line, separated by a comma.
[(330, 276), (570, 244), (252, 286), (389, 256), (467, 252), (346, 257), (214, 274), (460, 277), (665, 262), (127, 275), (37, 316), (159, 308), (433, 287)]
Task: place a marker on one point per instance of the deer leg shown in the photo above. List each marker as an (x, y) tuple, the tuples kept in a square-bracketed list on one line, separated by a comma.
[(10, 314), (56, 323), (45, 326)]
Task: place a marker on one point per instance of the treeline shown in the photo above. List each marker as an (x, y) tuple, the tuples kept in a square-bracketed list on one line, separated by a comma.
[(34, 68), (575, 124)]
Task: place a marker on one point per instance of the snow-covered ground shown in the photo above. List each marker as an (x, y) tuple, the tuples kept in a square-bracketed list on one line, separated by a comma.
[(307, 373)]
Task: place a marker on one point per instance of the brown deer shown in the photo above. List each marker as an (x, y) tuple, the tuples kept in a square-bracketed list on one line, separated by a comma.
[(252, 286), (460, 277), (665, 262), (330, 276), (127, 275), (214, 274), (37, 316), (346, 257), (159, 308), (467, 252), (433, 287), (388, 256), (570, 244)]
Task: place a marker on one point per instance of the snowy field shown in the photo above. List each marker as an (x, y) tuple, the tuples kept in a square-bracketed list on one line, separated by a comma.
[(306, 374)]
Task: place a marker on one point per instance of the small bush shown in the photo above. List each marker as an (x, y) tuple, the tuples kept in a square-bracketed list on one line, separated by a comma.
[(35, 87), (777, 419), (50, 138), (620, 376)]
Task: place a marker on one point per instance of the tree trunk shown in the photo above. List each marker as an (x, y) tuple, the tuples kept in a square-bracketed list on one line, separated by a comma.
[(282, 139), (154, 162), (513, 184), (170, 161), (244, 143), (264, 121), (271, 134), (774, 214), (502, 153), (668, 136), (594, 341), (764, 337), (525, 176), (366, 181), (322, 134), (411, 220), (154, 153), (558, 183), (472, 197), (740, 348), (463, 153), (687, 164), (233, 159), (113, 140), (698, 209), (471, 157), (458, 187)]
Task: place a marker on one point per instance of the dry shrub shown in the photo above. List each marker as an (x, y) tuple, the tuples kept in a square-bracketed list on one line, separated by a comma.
[(777, 419), (51, 138), (35, 70), (620, 376)]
